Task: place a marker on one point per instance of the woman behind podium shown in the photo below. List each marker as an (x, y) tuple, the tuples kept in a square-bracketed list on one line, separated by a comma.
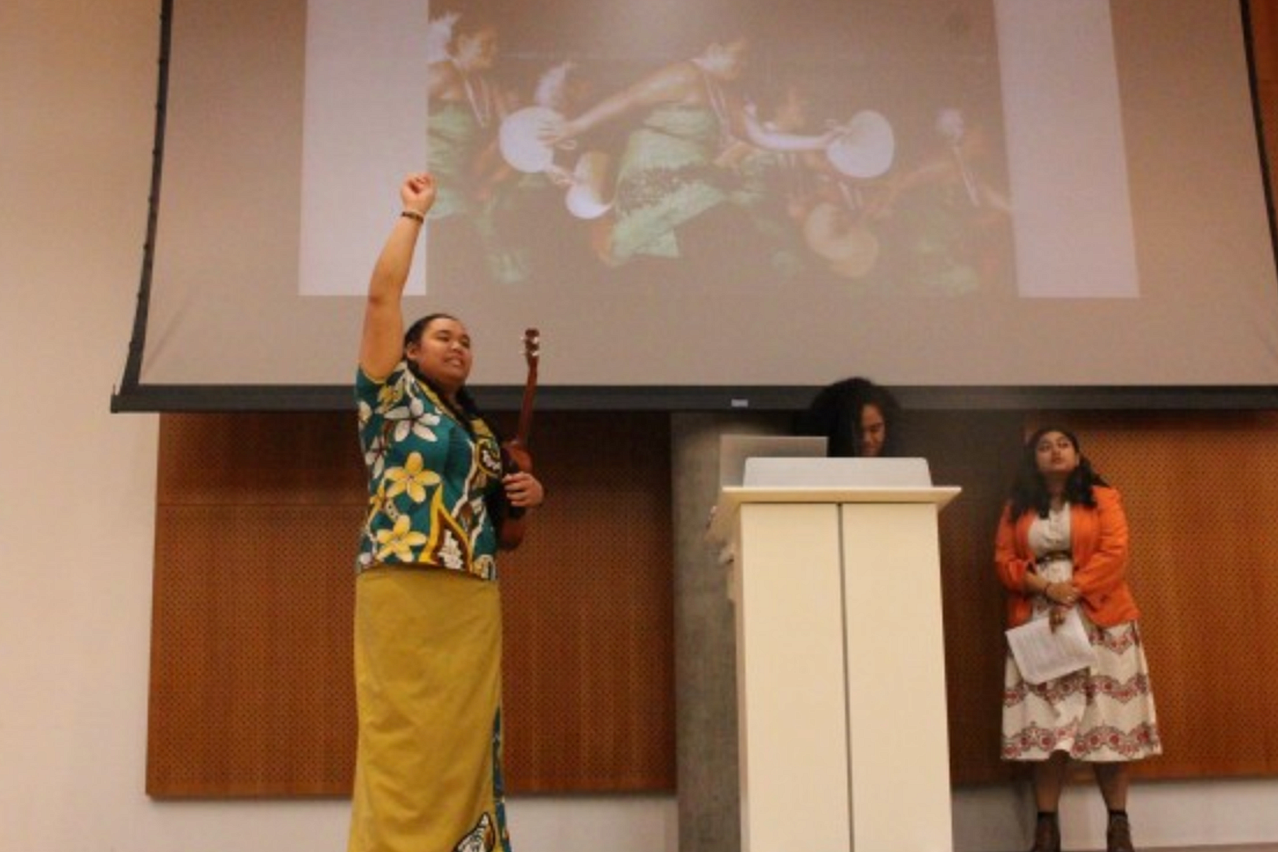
[(857, 418), (1061, 545)]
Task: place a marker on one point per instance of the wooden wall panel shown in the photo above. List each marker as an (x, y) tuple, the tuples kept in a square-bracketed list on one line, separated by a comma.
[(1264, 48), (1201, 492), (256, 529), (590, 612), (1200, 489), (1264, 42), (256, 525), (251, 651)]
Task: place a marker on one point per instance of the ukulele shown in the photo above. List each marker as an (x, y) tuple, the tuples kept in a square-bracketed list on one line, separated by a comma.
[(514, 452)]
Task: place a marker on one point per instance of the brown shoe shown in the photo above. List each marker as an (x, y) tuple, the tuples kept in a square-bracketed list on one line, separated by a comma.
[(1047, 834), (1118, 837)]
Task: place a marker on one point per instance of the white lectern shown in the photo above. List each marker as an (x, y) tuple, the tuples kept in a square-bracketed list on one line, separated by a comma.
[(840, 666)]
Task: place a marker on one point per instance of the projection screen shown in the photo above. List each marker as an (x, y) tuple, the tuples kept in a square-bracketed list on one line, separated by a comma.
[(710, 203)]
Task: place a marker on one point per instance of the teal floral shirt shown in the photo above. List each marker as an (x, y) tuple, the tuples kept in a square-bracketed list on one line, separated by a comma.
[(427, 479)]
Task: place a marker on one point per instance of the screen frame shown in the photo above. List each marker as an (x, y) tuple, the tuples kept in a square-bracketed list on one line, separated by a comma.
[(132, 395)]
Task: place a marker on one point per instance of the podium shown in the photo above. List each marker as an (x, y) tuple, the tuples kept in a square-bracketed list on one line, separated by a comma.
[(840, 664)]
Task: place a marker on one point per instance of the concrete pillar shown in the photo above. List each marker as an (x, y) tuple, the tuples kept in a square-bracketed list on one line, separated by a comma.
[(705, 648)]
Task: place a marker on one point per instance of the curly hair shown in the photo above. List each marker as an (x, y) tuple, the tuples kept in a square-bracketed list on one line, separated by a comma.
[(1029, 488), (835, 413)]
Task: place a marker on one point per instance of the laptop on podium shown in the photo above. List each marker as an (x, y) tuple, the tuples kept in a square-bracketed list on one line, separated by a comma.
[(735, 450)]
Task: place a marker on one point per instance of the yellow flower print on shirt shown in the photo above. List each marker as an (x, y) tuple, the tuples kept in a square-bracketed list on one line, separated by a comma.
[(412, 479), (389, 395), (399, 541)]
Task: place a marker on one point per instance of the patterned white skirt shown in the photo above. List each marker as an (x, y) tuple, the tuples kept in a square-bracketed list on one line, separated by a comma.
[(1099, 714)]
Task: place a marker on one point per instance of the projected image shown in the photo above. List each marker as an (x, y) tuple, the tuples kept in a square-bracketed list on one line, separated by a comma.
[(694, 194), (761, 143)]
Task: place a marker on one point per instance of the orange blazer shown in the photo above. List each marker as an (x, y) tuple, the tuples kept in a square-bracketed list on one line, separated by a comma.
[(1098, 543)]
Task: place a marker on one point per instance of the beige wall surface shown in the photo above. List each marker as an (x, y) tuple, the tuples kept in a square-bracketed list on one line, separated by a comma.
[(77, 90)]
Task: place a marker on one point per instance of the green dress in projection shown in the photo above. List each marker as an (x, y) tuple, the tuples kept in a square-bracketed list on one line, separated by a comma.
[(766, 183), (941, 231), (454, 137), (457, 138), (666, 177)]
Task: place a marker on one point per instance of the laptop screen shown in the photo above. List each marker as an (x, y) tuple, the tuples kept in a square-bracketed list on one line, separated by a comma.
[(735, 449)]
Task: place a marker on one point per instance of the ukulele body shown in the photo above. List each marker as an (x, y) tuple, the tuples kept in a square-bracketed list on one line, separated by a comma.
[(514, 453), (514, 458)]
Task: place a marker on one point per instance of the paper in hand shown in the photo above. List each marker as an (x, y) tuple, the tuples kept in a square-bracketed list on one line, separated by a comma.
[(1042, 653)]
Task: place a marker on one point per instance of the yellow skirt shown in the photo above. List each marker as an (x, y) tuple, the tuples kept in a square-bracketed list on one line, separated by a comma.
[(428, 772)]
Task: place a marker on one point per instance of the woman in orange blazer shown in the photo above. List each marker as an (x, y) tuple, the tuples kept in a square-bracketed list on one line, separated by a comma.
[(1062, 545)]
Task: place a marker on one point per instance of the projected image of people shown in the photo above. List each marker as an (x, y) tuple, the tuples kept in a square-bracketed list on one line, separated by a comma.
[(787, 187), (673, 195), (564, 185), (732, 142), (777, 188), (950, 219), (466, 108)]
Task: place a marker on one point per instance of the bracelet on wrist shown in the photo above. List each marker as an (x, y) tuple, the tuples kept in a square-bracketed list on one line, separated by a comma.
[(414, 215)]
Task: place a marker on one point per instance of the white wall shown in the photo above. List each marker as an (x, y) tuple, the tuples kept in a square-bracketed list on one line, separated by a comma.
[(77, 492)]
